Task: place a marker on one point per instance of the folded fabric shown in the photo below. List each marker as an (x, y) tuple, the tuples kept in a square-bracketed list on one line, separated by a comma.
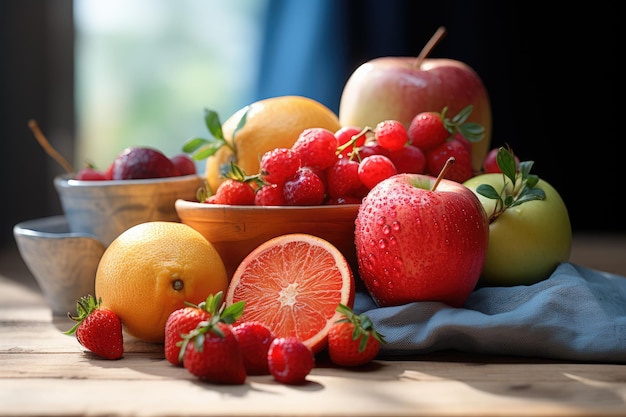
[(576, 314)]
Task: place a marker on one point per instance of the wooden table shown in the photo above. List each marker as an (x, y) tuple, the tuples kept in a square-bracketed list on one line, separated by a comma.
[(46, 373)]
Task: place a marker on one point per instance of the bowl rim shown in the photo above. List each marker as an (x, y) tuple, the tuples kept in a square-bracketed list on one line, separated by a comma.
[(67, 180), (41, 228), (220, 207)]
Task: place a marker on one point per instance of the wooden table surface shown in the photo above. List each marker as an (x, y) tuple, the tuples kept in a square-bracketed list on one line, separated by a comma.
[(46, 373)]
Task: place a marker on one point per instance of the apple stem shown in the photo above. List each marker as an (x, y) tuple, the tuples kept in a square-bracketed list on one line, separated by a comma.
[(451, 161), (434, 40), (47, 147)]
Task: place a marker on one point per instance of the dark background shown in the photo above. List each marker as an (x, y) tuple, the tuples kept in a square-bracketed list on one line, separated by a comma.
[(552, 77)]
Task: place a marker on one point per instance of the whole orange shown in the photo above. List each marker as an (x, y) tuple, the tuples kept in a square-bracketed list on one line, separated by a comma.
[(151, 269), (271, 123)]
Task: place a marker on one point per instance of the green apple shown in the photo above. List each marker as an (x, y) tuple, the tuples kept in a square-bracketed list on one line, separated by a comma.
[(527, 240)]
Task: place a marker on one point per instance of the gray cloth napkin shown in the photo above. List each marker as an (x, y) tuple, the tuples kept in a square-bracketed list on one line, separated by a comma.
[(576, 314)]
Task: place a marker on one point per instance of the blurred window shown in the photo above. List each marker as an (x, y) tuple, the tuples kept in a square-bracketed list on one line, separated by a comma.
[(147, 69)]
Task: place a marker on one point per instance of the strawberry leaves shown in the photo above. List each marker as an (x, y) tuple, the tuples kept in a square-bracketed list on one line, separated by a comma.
[(363, 326), (473, 132), (219, 313)]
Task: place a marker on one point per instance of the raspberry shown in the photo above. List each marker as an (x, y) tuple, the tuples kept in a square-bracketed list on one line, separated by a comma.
[(290, 360), (304, 188), (461, 171), (391, 134), (374, 169), (254, 340), (234, 192), (279, 164), (316, 147)]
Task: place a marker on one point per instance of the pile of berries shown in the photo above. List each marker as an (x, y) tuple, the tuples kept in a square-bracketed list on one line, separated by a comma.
[(324, 167), (140, 162), (207, 340)]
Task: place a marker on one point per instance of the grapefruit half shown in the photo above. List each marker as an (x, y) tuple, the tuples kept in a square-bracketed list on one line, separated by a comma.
[(293, 283)]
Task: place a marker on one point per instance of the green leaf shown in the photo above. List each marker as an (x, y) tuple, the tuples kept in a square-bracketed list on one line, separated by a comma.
[(209, 149), (506, 163), (212, 121), (525, 167), (462, 116), (473, 132), (233, 312), (529, 194), (242, 122), (193, 144), (531, 180), (488, 191)]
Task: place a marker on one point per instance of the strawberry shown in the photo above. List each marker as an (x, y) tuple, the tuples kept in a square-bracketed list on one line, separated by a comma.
[(97, 329), (179, 323), (290, 360), (211, 351), (234, 192), (352, 340), (254, 339), (428, 130)]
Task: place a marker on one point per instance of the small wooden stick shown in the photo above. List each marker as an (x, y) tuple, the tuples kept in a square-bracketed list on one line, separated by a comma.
[(434, 40), (47, 147), (451, 161)]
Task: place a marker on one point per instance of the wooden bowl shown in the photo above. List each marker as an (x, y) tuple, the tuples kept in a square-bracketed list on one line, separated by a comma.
[(237, 230)]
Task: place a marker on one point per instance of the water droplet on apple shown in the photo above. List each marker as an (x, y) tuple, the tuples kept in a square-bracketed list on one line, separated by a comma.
[(386, 229), (380, 220), (395, 226), (382, 243)]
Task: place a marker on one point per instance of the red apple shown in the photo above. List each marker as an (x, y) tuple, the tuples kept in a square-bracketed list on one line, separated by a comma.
[(399, 88), (417, 242)]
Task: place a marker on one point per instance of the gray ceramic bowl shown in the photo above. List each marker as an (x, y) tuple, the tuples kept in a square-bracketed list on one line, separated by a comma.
[(63, 263), (105, 209)]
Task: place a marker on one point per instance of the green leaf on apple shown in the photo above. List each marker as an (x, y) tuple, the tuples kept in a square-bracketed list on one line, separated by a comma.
[(520, 187)]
